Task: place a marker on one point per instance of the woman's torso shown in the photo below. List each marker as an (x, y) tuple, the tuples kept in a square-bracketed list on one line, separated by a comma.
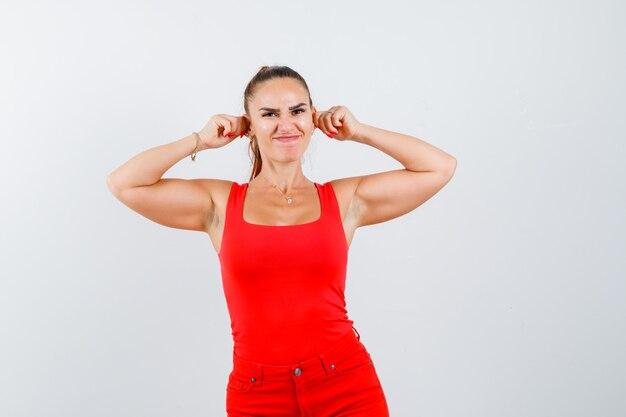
[(284, 283)]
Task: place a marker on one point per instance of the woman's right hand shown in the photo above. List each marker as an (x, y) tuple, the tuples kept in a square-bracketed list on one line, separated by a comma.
[(222, 129)]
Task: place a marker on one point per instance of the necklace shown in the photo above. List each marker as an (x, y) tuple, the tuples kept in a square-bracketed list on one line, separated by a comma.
[(289, 200)]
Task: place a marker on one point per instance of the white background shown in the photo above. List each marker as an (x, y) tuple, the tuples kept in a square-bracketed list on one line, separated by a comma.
[(500, 296)]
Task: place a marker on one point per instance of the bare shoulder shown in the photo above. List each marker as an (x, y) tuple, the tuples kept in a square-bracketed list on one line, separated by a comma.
[(344, 188), (217, 189)]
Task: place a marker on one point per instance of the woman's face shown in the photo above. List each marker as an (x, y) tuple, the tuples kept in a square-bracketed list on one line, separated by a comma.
[(280, 108)]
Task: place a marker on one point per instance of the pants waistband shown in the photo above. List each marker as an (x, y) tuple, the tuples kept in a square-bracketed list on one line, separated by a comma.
[(323, 362)]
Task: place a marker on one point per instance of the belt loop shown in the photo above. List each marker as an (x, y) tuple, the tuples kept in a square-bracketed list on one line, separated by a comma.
[(259, 374), (323, 361), (358, 336)]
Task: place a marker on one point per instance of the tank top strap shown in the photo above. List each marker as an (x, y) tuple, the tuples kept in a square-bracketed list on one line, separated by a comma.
[(329, 202), (333, 214), (234, 198)]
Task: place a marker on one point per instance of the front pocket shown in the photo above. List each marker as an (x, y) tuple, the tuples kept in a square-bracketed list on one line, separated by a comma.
[(358, 360), (239, 383)]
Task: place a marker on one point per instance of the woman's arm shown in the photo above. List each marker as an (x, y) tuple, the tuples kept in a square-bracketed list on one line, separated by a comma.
[(149, 166), (383, 196), (172, 202), (415, 154)]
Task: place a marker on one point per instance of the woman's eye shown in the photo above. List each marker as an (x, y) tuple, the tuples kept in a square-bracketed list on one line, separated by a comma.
[(267, 114)]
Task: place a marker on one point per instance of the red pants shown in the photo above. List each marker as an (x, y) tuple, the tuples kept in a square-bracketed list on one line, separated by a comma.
[(340, 382)]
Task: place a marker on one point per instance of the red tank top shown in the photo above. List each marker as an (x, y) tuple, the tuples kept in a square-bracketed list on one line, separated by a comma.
[(284, 285)]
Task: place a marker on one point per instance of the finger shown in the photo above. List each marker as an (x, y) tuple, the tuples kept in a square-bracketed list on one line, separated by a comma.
[(228, 127), (329, 124), (232, 125), (326, 126), (329, 130), (219, 125), (237, 127), (321, 124), (336, 118)]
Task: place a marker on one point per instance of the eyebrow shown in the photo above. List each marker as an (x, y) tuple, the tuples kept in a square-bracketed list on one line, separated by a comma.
[(277, 110)]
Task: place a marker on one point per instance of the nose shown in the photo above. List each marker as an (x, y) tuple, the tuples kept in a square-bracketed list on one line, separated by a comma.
[(285, 117), (286, 123)]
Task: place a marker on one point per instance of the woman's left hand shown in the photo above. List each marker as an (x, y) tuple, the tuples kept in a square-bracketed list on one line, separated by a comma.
[(337, 123)]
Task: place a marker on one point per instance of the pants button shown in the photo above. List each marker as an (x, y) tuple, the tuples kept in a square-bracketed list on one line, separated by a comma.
[(332, 366), (297, 371)]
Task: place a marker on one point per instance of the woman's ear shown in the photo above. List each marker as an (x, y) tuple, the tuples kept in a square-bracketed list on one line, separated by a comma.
[(245, 120)]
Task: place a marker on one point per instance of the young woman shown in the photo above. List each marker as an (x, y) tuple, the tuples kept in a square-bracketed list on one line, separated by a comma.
[(282, 241)]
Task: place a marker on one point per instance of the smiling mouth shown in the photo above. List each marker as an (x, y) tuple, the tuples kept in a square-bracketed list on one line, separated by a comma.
[(287, 138)]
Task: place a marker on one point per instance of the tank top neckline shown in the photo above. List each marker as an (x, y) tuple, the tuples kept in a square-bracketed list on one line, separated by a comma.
[(311, 223)]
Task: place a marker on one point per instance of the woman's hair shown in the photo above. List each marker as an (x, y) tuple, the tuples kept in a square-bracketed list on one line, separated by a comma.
[(266, 73)]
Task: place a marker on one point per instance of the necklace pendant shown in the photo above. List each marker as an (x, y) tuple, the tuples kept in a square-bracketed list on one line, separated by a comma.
[(289, 200)]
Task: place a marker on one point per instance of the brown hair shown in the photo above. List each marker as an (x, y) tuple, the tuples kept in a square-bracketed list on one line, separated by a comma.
[(266, 73)]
